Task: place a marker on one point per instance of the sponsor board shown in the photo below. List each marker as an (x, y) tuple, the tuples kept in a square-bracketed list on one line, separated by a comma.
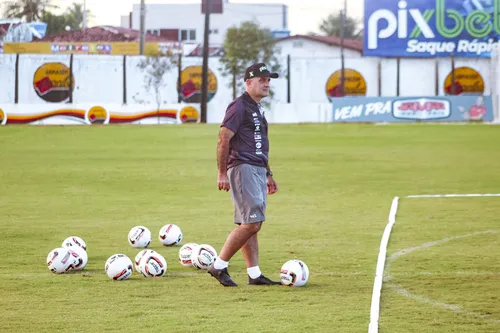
[(395, 109), (431, 28)]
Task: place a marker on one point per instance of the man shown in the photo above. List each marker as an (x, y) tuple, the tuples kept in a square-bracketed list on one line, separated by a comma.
[(242, 160)]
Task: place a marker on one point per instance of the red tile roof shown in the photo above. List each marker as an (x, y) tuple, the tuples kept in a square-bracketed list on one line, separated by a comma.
[(213, 51), (102, 34), (351, 44)]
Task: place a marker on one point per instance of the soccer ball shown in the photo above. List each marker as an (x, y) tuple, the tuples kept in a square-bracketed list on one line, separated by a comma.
[(153, 265), (185, 254), (203, 256), (119, 267), (170, 235), (137, 260), (139, 237), (294, 273), (73, 241), (60, 260), (80, 258)]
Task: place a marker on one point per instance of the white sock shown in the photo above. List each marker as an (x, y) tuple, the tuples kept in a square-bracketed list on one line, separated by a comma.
[(220, 264), (254, 272)]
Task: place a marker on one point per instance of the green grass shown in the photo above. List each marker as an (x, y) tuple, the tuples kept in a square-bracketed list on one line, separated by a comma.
[(336, 185)]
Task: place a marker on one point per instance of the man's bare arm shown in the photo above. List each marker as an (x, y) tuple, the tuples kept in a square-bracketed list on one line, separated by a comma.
[(225, 136)]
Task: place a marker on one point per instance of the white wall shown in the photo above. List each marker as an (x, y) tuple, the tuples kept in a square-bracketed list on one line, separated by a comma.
[(188, 16), (7, 73), (125, 21), (303, 48), (99, 78)]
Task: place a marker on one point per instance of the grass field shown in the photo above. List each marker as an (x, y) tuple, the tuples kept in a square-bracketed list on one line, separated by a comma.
[(336, 186)]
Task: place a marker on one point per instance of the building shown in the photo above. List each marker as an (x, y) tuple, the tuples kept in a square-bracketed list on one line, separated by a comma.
[(102, 34), (305, 46), (185, 22)]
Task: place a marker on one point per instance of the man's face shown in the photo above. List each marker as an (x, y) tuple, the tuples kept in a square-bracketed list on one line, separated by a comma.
[(258, 86)]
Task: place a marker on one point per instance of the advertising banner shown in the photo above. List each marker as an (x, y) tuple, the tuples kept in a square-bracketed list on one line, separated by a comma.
[(118, 48), (405, 109), (431, 28), (79, 114)]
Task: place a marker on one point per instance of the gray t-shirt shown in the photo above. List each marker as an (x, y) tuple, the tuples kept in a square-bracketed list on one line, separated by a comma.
[(250, 143)]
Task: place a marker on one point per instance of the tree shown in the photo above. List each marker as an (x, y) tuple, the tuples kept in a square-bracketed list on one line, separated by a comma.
[(332, 26), (31, 10), (57, 24), (76, 12), (155, 67), (243, 46)]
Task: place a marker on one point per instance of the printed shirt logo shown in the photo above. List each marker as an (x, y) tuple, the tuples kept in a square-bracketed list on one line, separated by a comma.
[(257, 134)]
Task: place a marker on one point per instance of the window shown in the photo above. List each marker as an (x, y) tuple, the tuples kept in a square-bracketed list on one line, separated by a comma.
[(154, 32), (188, 35), (213, 31)]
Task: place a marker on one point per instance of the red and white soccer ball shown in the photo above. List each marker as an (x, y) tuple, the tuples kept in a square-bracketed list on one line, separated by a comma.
[(60, 260), (137, 260), (80, 257), (185, 253), (203, 256), (74, 241), (139, 236), (170, 235), (294, 273), (119, 267), (153, 264)]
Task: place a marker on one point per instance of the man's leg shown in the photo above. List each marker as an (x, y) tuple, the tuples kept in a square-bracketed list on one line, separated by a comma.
[(235, 241), (238, 239), (250, 251), (251, 254)]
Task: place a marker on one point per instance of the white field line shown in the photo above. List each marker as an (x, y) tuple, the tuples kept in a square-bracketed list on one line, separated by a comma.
[(433, 243), (455, 308), (404, 292), (451, 195), (379, 273)]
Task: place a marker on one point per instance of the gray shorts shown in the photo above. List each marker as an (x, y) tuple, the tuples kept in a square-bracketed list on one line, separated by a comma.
[(248, 192)]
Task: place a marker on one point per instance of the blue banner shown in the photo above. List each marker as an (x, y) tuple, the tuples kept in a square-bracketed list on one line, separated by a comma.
[(431, 28), (406, 109)]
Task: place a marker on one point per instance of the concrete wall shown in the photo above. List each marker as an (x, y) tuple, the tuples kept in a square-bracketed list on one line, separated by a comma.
[(100, 79)]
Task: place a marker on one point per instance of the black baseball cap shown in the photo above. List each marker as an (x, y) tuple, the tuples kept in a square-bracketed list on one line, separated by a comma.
[(259, 70)]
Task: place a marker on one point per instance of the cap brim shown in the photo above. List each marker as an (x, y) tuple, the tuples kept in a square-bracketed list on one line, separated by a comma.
[(274, 75)]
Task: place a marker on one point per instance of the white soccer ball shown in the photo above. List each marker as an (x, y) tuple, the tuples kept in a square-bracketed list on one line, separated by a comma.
[(170, 235), (203, 256), (185, 254), (294, 273), (80, 258), (153, 265), (73, 241), (60, 260), (137, 260), (119, 267), (139, 236)]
